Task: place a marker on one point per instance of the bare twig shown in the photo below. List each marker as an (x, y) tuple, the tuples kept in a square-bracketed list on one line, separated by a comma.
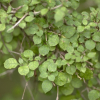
[(17, 22), (7, 72), (24, 90), (30, 92), (57, 98)]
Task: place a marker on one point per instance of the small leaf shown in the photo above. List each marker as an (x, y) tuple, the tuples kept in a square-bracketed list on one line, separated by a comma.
[(36, 39), (71, 69), (76, 83), (23, 70), (30, 74), (44, 50), (33, 65), (44, 11), (28, 53), (61, 79), (51, 77), (52, 67), (93, 95), (89, 44), (47, 86), (80, 28), (2, 27), (10, 63), (53, 40), (29, 18)]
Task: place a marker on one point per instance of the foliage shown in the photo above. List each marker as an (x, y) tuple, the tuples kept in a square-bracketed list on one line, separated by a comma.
[(55, 42)]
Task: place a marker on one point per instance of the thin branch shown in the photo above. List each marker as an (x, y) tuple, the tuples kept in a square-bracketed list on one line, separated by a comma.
[(24, 90), (7, 72), (17, 22), (56, 7), (35, 13), (57, 98), (14, 52), (30, 92)]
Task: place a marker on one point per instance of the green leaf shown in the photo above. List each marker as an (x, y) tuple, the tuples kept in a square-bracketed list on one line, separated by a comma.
[(61, 79), (44, 11), (70, 49), (36, 39), (52, 67), (76, 82), (23, 70), (80, 48), (63, 43), (89, 44), (10, 63), (53, 40), (22, 24), (93, 95), (98, 46), (97, 65), (44, 75), (33, 65), (28, 53), (44, 50), (47, 86), (67, 89), (29, 18), (51, 77), (80, 28), (30, 74), (20, 61), (59, 14), (71, 69), (39, 33), (85, 22), (91, 54), (2, 27)]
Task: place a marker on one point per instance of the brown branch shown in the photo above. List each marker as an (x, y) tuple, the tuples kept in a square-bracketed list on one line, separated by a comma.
[(57, 98), (24, 90)]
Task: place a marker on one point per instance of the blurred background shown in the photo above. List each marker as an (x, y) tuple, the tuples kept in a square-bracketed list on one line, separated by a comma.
[(12, 85)]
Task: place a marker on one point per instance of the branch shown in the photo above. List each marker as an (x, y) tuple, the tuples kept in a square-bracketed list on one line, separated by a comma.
[(57, 98), (17, 22), (7, 72), (24, 90)]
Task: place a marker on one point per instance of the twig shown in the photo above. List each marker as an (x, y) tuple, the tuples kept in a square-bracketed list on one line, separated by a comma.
[(17, 22), (24, 90), (30, 92), (7, 72), (57, 98), (56, 7), (35, 13), (14, 52)]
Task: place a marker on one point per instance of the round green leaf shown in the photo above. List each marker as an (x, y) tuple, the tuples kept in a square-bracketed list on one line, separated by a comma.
[(52, 67), (28, 53), (67, 89), (53, 40), (33, 65), (10, 63), (23, 70), (51, 77), (2, 27), (44, 11), (93, 95), (89, 44), (29, 18), (98, 46), (61, 79), (47, 86), (76, 83), (71, 69), (44, 50), (36, 39)]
